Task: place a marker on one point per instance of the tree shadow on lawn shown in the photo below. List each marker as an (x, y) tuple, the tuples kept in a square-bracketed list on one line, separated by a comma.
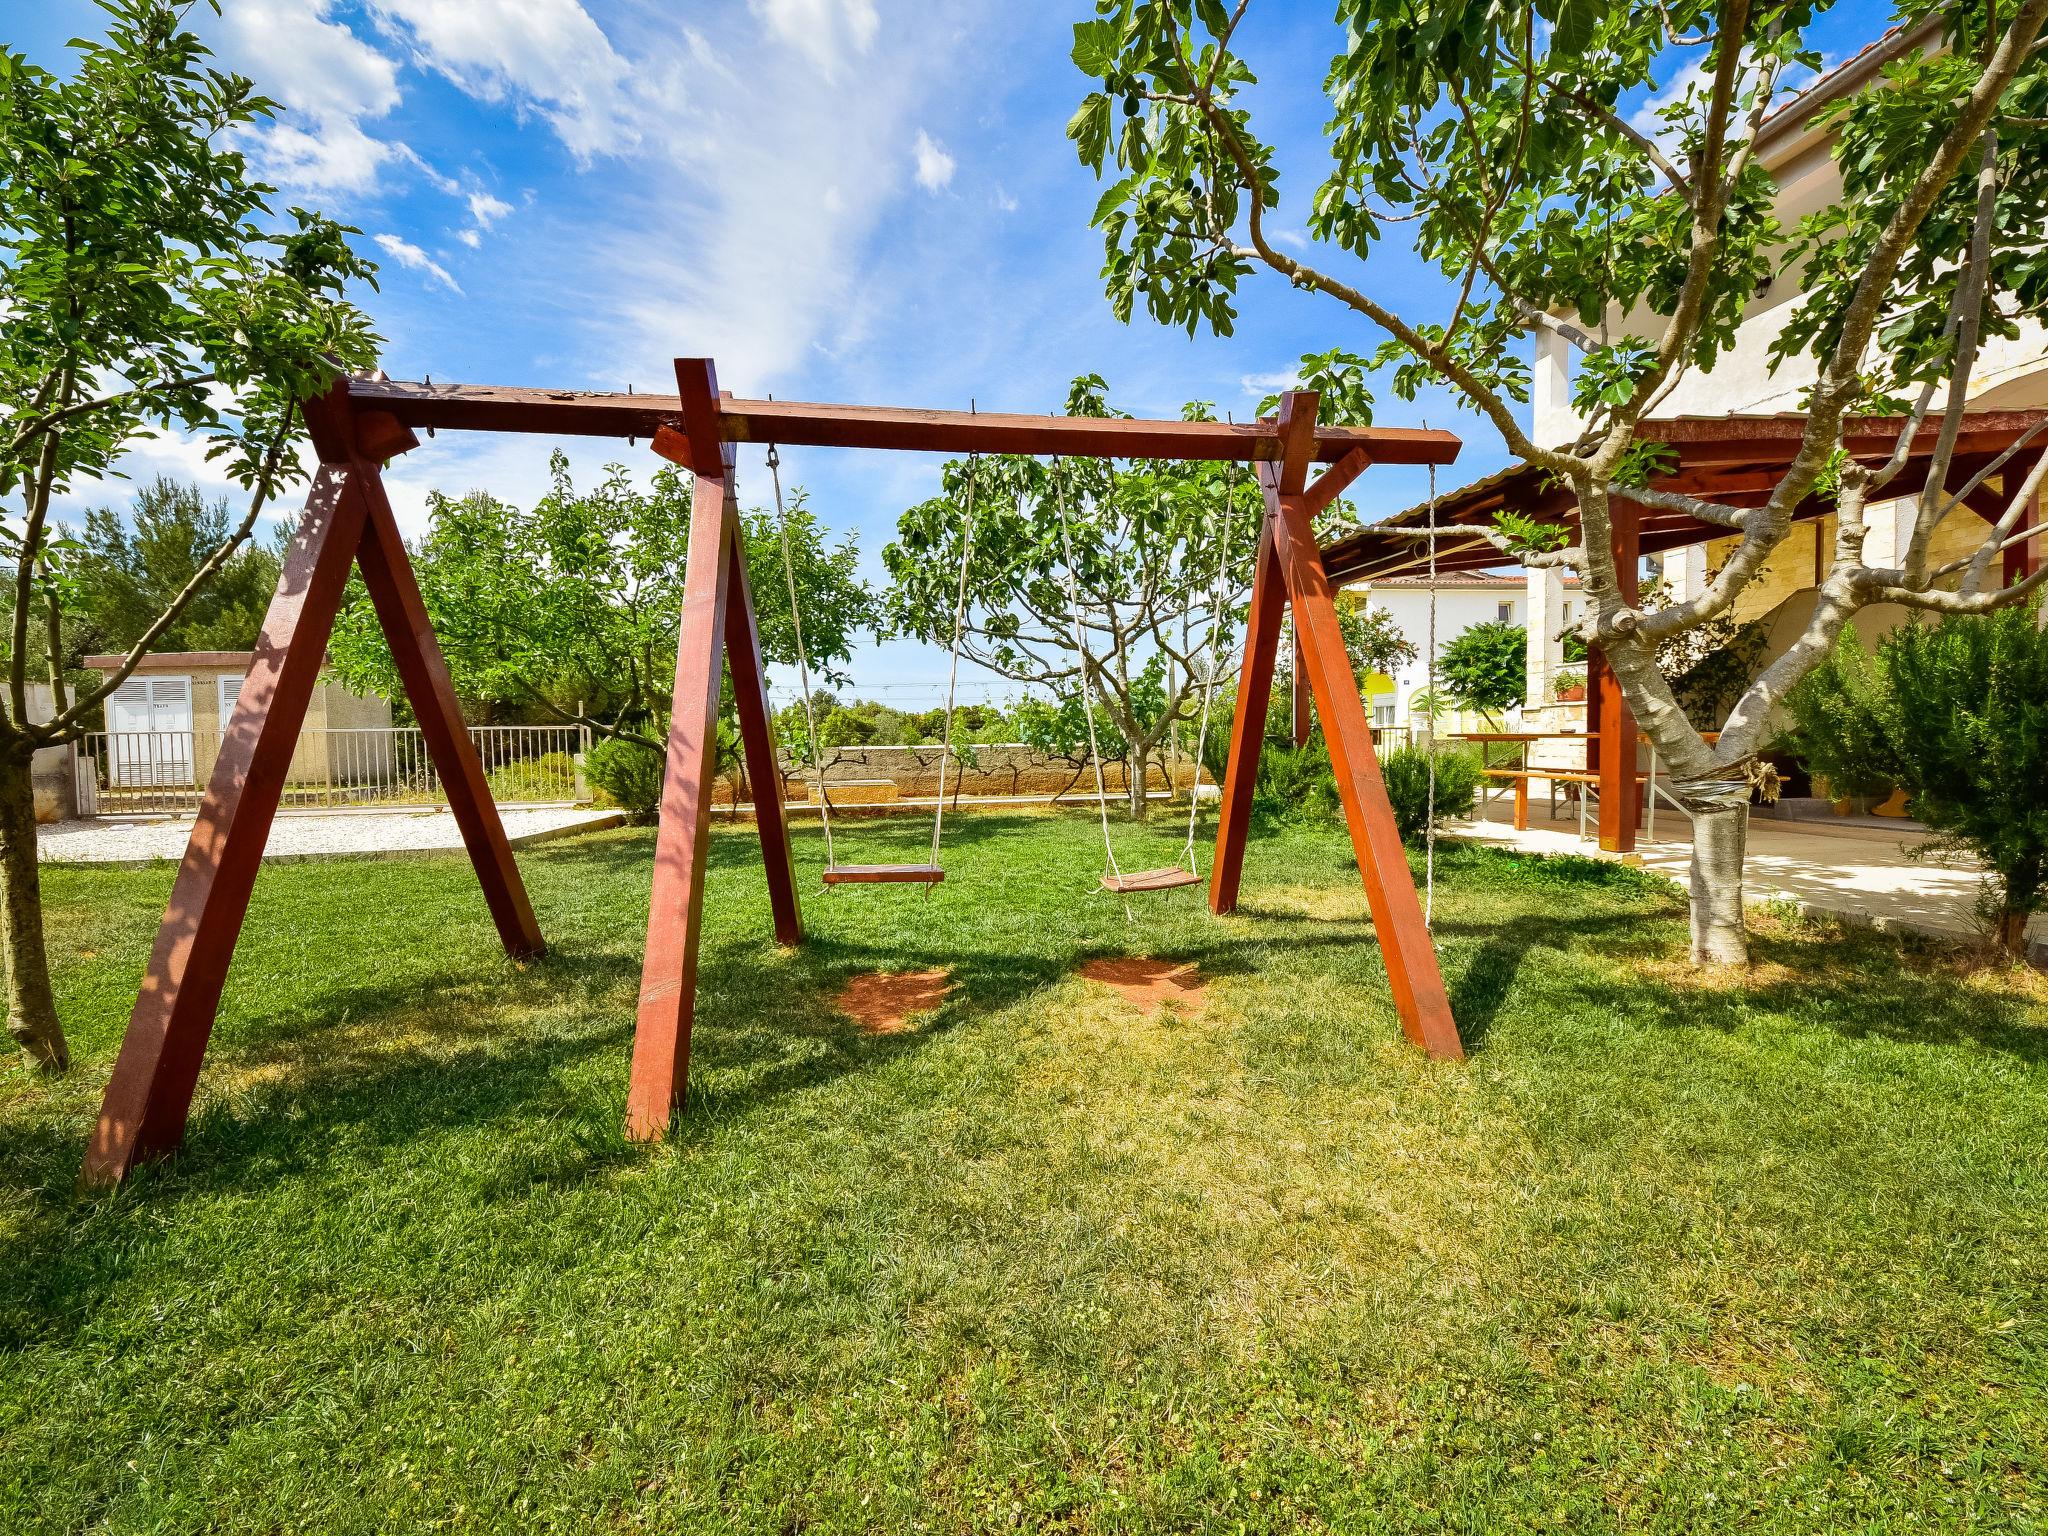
[(322, 1101), (1856, 985)]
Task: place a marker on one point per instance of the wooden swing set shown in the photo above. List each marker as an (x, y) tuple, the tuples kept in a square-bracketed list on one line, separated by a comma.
[(362, 424)]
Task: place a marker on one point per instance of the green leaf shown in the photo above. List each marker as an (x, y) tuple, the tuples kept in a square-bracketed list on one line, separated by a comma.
[(1095, 47), (1112, 199)]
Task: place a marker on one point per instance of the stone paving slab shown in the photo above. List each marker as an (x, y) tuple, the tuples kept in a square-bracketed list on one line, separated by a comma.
[(1863, 874), (308, 835)]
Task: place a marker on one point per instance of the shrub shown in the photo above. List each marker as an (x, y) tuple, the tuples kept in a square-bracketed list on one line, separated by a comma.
[(1297, 782), (1406, 771), (1837, 733), (627, 773), (550, 776), (1955, 714)]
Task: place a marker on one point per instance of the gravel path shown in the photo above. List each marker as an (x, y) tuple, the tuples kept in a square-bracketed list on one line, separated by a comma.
[(306, 835)]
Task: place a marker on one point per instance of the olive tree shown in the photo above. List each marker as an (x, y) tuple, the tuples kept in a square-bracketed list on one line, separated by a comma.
[(144, 288), (1499, 140)]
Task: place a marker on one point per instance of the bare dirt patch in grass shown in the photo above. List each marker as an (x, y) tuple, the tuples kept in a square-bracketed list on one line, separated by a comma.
[(1151, 984), (889, 1002)]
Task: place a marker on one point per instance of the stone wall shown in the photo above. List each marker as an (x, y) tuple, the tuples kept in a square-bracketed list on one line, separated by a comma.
[(997, 772)]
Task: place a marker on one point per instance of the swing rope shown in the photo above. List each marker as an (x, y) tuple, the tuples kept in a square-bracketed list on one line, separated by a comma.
[(930, 873), (803, 660), (959, 629), (1216, 606), (1059, 475), (1429, 825)]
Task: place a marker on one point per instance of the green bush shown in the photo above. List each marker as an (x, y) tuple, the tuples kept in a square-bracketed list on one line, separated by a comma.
[(628, 774), (1955, 714), (1297, 782), (550, 776), (1487, 667), (1406, 771)]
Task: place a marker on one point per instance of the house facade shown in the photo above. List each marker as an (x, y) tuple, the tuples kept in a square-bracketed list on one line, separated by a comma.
[(164, 724), (1401, 701), (2012, 373)]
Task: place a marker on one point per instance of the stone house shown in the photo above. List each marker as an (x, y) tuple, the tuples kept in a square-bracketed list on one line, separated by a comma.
[(163, 725)]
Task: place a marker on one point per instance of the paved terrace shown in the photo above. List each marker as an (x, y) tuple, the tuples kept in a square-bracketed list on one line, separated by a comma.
[(307, 834), (1861, 868)]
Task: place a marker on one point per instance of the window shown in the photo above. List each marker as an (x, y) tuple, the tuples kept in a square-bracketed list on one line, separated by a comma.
[(230, 690), (1505, 613), (149, 731), (1382, 712)]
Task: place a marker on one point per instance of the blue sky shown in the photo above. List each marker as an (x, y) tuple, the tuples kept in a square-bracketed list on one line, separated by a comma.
[(868, 200)]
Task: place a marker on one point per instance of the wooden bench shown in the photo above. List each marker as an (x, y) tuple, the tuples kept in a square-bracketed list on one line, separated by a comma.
[(1520, 777)]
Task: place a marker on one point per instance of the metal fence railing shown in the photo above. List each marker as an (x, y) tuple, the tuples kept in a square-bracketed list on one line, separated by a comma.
[(130, 772)]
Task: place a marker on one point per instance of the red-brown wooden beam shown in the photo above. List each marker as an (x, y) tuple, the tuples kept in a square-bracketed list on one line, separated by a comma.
[(1412, 969), (149, 1096), (1248, 724), (675, 910), (1616, 734), (1303, 718), (792, 423), (2023, 559), (757, 746), (402, 612)]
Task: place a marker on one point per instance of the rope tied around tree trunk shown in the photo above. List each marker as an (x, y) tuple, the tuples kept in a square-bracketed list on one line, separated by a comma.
[(1726, 786)]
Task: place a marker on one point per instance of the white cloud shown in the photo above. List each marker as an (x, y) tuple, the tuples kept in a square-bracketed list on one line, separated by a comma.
[(333, 157), (330, 81), (484, 209), (934, 165), (1004, 202), (406, 254), (750, 242), (1262, 384), (470, 238), (826, 32), (542, 55)]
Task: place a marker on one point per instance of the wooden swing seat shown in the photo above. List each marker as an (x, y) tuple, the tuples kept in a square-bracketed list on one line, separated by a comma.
[(884, 874), (1170, 878)]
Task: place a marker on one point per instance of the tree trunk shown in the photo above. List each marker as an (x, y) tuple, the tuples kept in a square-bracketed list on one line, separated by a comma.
[(1719, 839), (2012, 934), (31, 1006), (1134, 784)]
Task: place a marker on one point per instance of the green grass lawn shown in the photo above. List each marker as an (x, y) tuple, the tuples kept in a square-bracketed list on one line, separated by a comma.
[(1666, 1254)]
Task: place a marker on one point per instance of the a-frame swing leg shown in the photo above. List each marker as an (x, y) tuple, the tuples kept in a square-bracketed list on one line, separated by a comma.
[(395, 594), (149, 1096), (1296, 560), (1248, 725), (717, 623), (757, 747)]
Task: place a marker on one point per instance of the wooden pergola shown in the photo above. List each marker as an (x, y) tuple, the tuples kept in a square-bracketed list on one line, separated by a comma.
[(1734, 460), (361, 424)]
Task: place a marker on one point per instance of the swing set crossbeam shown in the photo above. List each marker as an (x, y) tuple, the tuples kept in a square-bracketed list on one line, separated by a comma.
[(803, 424)]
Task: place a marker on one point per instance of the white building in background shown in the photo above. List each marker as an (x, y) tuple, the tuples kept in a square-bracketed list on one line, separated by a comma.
[(1461, 603)]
